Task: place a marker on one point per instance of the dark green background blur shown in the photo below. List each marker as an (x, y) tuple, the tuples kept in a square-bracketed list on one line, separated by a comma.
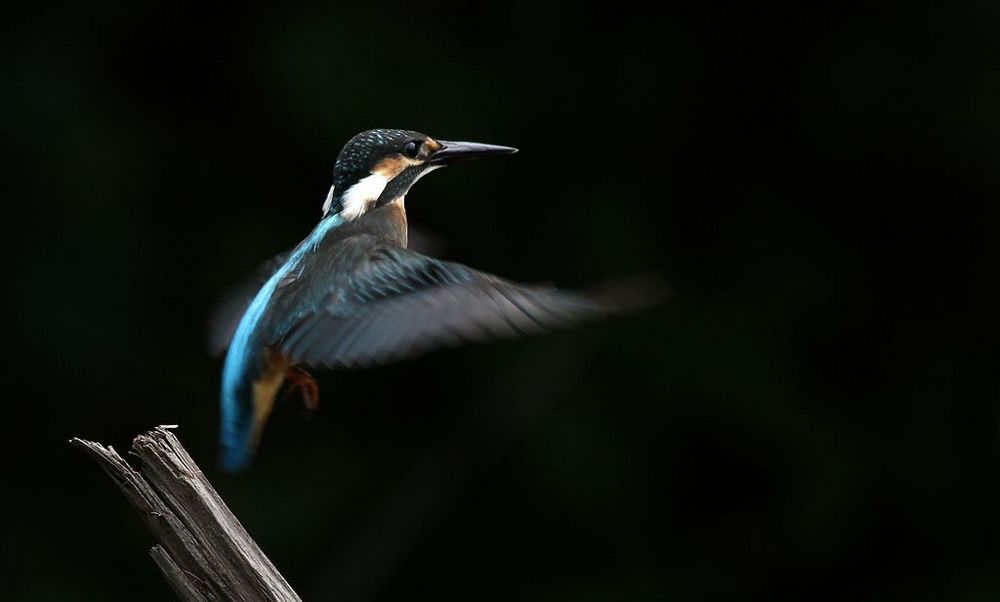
[(814, 416)]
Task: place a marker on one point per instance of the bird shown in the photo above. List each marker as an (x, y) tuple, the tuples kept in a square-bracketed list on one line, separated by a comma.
[(353, 295)]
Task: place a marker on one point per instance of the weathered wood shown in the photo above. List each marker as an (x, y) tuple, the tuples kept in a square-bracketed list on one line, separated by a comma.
[(182, 583), (204, 552)]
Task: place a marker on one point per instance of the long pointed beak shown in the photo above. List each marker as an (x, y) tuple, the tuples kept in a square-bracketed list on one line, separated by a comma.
[(453, 152)]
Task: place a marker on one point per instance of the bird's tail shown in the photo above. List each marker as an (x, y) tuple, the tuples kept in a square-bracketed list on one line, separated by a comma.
[(246, 406)]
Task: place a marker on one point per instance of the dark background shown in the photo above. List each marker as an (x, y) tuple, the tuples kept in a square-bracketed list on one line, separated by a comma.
[(814, 415)]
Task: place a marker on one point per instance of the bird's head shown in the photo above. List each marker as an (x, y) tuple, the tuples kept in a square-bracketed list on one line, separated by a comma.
[(377, 167)]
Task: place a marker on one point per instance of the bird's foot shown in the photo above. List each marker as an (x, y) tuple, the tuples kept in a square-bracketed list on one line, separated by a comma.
[(301, 383)]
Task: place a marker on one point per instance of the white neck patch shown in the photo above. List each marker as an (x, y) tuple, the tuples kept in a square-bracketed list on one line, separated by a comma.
[(358, 197), (328, 201), (366, 191)]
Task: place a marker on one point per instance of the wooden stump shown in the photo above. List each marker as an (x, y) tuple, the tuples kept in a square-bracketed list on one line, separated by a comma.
[(203, 552)]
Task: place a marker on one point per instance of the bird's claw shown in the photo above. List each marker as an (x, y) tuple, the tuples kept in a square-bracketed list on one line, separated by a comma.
[(301, 383)]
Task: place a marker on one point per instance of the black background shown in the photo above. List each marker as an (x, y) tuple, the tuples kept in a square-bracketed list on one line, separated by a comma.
[(814, 415)]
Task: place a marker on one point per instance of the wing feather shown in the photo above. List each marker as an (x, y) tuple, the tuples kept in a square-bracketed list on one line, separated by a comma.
[(398, 303), (227, 314)]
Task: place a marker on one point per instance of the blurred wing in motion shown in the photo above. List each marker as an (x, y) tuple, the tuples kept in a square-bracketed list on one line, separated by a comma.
[(398, 303), (226, 317)]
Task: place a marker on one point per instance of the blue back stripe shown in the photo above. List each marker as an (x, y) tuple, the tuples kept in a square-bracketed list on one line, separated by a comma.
[(236, 399)]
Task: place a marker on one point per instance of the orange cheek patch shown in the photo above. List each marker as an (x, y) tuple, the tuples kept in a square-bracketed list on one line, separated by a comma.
[(390, 167)]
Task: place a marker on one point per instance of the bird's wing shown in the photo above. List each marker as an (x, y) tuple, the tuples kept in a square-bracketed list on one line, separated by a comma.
[(227, 314), (398, 303)]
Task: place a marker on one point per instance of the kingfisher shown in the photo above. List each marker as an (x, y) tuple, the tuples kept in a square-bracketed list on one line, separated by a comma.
[(351, 294)]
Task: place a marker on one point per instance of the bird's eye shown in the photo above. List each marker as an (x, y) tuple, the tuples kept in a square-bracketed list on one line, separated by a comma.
[(411, 149)]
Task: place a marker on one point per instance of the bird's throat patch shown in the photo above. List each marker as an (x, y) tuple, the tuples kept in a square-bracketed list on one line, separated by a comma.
[(360, 197)]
